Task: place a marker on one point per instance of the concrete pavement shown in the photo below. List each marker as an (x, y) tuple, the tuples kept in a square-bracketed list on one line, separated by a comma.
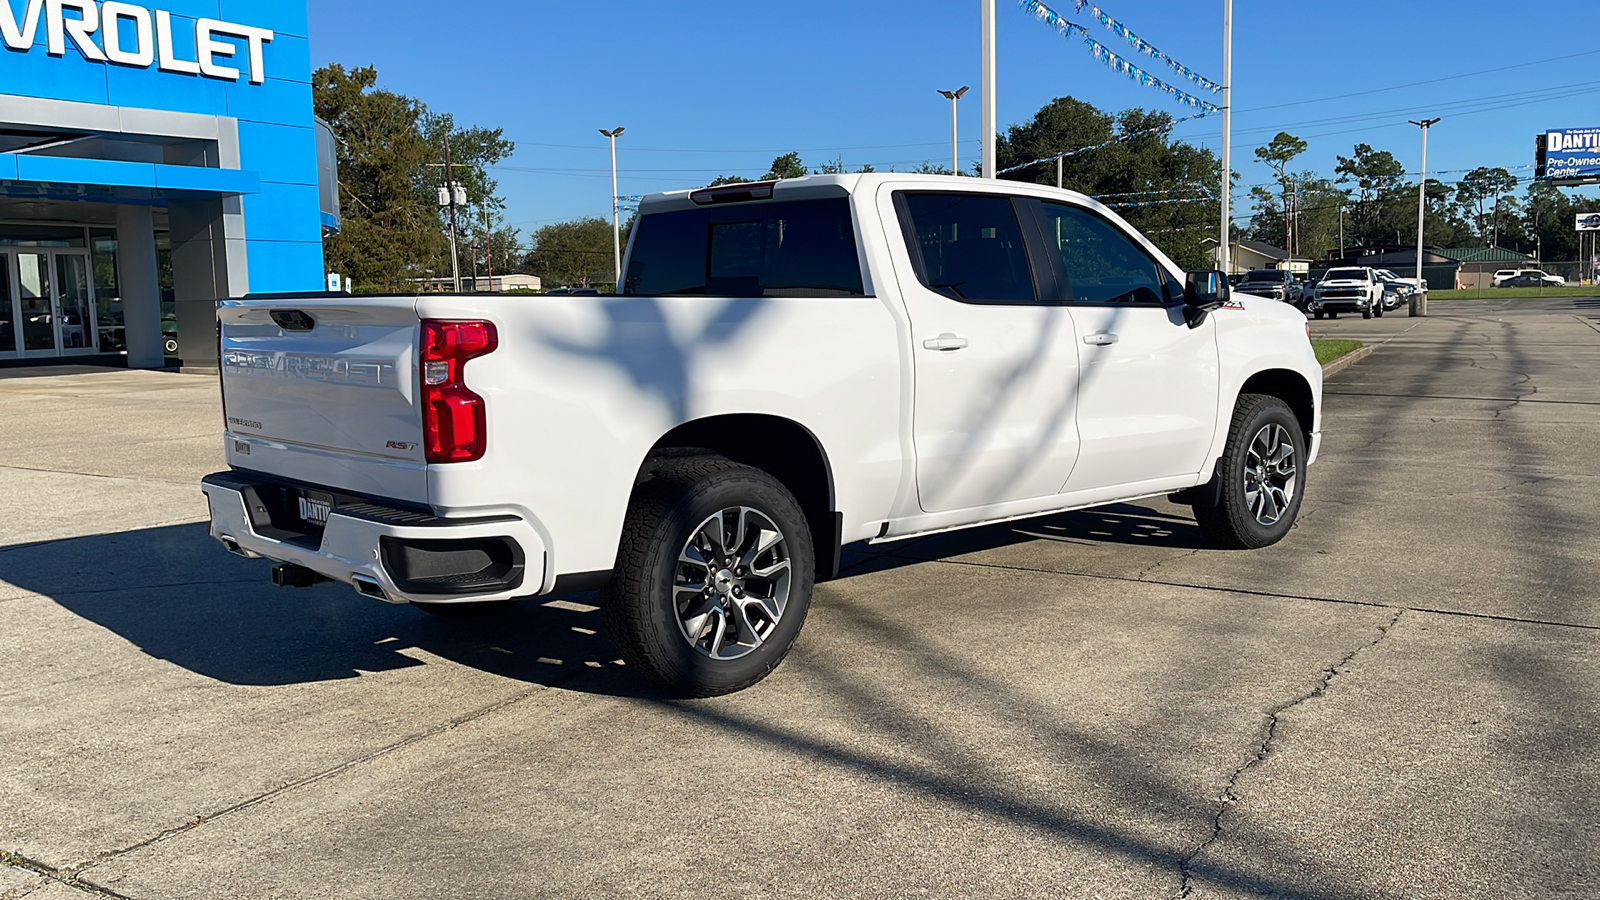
[(1400, 700)]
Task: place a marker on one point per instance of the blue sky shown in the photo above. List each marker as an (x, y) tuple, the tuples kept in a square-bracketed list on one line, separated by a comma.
[(715, 86)]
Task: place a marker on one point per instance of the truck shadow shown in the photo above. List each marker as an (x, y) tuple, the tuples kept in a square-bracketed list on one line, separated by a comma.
[(175, 594)]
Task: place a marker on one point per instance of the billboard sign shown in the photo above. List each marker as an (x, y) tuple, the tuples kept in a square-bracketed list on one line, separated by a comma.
[(1589, 221), (1571, 154)]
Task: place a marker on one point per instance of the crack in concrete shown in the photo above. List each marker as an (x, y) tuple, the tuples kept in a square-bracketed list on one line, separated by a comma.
[(1230, 791), (1159, 563), (448, 725), (53, 875)]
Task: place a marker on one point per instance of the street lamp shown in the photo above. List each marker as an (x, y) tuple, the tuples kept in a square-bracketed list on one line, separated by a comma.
[(953, 96), (1422, 210), (616, 227)]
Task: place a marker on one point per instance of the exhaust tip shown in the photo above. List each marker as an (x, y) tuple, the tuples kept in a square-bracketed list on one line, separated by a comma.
[(369, 588)]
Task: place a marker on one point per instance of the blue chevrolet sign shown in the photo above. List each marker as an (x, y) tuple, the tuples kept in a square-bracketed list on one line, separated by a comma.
[(1571, 154), (176, 126)]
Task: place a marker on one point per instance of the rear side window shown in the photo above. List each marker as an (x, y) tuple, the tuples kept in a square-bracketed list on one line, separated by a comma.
[(800, 248), (968, 247)]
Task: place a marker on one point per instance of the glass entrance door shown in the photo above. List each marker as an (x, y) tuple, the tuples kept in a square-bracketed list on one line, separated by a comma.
[(46, 304), (8, 310), (75, 331), (36, 305)]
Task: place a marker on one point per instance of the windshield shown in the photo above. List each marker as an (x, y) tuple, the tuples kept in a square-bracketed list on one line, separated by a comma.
[(1264, 275), (1345, 275)]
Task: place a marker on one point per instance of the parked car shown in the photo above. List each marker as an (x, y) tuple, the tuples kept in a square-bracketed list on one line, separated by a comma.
[(791, 367), (1277, 284), (1349, 290), (1398, 291), (1528, 278)]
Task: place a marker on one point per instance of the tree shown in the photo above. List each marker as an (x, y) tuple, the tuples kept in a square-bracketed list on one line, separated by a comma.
[(1548, 217), (1163, 187), (1378, 178), (786, 166), (577, 253), (391, 155), (1480, 192), (1277, 155), (390, 224)]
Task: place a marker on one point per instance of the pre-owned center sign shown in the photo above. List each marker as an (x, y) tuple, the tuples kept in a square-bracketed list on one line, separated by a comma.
[(132, 35)]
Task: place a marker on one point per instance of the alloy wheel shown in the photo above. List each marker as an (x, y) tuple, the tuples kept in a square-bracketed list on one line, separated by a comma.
[(1270, 472), (732, 583)]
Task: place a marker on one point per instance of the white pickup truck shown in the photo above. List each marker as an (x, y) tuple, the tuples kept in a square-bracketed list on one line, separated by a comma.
[(790, 367)]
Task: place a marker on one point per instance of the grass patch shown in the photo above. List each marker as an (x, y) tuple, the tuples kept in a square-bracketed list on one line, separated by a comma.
[(1515, 293), (1328, 351)]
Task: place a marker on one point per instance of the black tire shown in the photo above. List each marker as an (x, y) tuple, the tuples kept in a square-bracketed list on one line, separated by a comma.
[(1333, 315), (467, 611), (641, 601), (1378, 312), (1233, 523), (1318, 314), (1366, 313)]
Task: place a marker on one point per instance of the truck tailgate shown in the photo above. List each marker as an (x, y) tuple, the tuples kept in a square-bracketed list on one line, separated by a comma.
[(325, 391)]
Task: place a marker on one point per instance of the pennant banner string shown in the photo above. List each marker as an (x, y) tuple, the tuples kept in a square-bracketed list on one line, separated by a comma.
[(1103, 53), (1147, 48)]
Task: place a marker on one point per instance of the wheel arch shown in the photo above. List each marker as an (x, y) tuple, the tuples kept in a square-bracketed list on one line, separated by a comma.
[(784, 449), (1292, 388)]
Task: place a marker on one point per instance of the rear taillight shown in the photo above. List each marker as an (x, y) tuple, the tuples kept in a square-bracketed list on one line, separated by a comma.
[(454, 425)]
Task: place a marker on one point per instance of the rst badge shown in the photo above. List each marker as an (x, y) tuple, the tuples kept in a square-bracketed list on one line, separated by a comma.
[(407, 446)]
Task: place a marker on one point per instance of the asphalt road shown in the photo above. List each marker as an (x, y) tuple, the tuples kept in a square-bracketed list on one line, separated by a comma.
[(1401, 700)]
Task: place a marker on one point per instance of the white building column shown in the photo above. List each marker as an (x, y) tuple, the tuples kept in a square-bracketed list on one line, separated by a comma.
[(140, 284)]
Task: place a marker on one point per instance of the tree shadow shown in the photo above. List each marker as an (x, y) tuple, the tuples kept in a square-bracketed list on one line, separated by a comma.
[(1118, 523), (177, 597)]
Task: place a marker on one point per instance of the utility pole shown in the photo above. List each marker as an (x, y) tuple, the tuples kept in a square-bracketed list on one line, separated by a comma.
[(1058, 170), (488, 246), (616, 227), (1341, 232), (988, 90), (955, 158), (1419, 307), (450, 184), (1225, 254)]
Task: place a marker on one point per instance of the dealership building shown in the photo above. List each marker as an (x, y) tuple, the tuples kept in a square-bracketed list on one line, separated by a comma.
[(155, 157)]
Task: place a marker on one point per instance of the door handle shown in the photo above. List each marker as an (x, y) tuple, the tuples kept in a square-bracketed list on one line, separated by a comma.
[(1100, 338), (946, 341)]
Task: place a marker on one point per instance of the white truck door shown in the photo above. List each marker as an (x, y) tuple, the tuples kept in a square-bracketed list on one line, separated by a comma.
[(995, 369), (1147, 397)]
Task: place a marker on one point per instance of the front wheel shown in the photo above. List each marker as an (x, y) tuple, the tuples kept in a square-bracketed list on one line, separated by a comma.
[(713, 577), (1366, 313), (1318, 314), (1263, 474), (1378, 312)]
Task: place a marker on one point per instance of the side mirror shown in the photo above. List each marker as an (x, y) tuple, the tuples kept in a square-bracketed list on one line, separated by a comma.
[(1202, 293)]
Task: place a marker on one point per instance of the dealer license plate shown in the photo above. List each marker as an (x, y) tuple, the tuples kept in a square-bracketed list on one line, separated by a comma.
[(313, 507)]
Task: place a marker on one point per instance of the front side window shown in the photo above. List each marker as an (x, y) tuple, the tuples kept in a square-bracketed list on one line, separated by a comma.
[(798, 248), (1102, 264), (968, 247)]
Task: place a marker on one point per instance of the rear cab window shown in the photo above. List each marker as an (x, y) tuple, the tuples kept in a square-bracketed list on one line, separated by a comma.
[(793, 248)]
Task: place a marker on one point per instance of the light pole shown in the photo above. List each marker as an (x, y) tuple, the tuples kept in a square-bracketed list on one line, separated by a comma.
[(988, 90), (616, 227), (1225, 255), (456, 198), (955, 159), (1419, 306)]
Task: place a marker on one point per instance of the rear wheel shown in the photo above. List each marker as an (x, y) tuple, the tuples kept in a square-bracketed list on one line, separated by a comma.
[(1263, 475), (713, 577)]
